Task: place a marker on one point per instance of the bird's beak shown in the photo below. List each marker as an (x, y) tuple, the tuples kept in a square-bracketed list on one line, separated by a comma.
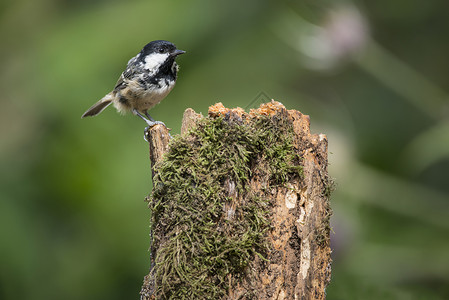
[(177, 52)]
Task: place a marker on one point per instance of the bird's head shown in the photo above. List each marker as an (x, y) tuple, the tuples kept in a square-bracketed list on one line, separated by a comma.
[(157, 53)]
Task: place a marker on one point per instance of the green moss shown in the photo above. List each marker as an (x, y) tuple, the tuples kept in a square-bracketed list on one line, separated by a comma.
[(199, 242)]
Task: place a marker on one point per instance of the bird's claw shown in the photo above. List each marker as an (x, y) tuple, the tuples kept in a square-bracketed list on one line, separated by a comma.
[(151, 124)]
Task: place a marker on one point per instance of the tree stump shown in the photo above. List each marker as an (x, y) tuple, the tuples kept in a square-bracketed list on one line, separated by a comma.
[(240, 207)]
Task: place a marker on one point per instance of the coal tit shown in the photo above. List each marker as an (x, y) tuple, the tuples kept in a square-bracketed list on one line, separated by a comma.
[(148, 78)]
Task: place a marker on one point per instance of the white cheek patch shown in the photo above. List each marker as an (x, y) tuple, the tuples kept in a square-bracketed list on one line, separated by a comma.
[(154, 60)]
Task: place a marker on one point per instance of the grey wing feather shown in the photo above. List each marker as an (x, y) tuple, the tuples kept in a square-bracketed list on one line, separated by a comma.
[(121, 84), (131, 69)]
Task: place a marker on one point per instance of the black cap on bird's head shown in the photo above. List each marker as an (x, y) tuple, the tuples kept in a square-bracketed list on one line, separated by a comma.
[(161, 47)]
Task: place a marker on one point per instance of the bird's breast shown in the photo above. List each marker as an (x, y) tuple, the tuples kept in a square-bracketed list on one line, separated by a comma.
[(144, 97)]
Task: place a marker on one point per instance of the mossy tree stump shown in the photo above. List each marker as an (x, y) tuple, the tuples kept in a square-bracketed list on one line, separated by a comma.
[(239, 208)]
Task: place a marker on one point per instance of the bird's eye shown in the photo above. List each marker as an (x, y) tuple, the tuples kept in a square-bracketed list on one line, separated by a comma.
[(161, 50)]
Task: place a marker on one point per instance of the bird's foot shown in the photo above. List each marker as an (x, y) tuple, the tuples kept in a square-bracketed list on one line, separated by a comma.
[(151, 124)]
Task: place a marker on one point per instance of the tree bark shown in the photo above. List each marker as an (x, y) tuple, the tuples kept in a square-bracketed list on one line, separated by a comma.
[(298, 264)]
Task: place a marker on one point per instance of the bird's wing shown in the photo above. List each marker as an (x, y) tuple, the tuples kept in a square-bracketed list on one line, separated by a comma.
[(131, 69), (121, 84)]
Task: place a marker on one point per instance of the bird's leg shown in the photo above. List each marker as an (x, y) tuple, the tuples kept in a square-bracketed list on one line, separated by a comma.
[(148, 116), (156, 122), (150, 121)]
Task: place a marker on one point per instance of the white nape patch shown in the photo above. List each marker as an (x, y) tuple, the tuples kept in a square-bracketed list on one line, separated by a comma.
[(154, 60)]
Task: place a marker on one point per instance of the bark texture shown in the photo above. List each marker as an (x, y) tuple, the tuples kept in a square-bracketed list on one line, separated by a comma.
[(298, 263)]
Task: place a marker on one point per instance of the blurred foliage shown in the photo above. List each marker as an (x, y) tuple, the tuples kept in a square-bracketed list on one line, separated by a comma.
[(369, 73)]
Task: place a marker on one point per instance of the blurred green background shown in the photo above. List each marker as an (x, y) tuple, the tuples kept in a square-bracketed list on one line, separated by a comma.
[(371, 74)]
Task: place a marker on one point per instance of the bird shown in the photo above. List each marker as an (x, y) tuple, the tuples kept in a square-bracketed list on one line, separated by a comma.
[(147, 80)]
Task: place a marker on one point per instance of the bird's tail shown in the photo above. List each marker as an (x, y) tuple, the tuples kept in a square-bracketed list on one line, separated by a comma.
[(99, 106)]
